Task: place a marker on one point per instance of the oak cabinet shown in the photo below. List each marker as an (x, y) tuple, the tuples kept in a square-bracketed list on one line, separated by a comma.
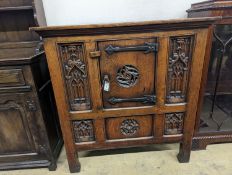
[(128, 84)]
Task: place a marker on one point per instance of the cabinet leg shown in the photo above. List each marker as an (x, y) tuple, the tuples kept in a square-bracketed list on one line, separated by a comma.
[(73, 162), (52, 166), (184, 153)]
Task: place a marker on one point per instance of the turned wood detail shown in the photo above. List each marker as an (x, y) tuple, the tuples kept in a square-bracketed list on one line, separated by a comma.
[(75, 74), (83, 131), (178, 68), (174, 123), (129, 127)]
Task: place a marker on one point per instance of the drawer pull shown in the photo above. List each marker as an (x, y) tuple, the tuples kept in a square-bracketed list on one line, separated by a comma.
[(147, 48), (144, 99)]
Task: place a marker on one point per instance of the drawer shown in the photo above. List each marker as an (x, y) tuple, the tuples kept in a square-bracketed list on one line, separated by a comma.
[(129, 127), (11, 77)]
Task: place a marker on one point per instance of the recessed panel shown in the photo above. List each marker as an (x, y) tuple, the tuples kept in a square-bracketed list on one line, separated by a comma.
[(14, 136), (129, 127)]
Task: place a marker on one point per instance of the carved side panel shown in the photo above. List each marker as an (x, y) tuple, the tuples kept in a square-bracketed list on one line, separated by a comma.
[(83, 131), (174, 123), (179, 63), (75, 75)]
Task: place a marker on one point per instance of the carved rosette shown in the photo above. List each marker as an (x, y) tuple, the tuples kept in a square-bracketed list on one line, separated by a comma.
[(129, 127), (75, 74), (127, 76), (178, 68), (83, 131), (174, 123)]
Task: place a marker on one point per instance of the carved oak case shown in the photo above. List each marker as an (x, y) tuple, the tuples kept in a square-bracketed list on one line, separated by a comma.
[(128, 84)]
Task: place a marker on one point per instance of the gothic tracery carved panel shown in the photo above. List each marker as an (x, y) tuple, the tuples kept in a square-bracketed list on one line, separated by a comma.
[(75, 73), (174, 123), (83, 131), (178, 68)]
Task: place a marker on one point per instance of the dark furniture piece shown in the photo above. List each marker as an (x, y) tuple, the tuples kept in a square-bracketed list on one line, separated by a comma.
[(30, 135), (128, 84), (214, 119)]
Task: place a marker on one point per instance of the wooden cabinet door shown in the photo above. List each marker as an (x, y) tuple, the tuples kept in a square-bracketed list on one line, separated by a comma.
[(128, 72), (19, 132)]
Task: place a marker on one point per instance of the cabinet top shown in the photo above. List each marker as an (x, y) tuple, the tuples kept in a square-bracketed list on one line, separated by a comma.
[(210, 6), (129, 27)]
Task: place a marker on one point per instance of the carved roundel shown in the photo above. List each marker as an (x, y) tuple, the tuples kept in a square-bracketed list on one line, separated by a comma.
[(129, 127), (127, 76)]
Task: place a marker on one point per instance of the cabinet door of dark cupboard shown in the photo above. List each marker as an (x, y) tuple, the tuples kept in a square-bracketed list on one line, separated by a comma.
[(18, 132)]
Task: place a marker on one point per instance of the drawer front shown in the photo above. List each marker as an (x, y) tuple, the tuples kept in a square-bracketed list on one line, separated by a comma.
[(11, 77), (129, 127), (128, 70)]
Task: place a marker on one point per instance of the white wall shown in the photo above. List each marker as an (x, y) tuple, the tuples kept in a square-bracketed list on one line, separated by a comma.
[(73, 12)]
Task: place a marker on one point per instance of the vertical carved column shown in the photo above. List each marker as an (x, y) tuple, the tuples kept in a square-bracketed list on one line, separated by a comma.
[(174, 123), (180, 54), (75, 74)]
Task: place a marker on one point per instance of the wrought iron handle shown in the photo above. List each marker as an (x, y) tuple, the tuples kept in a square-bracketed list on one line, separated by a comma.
[(147, 48), (144, 99)]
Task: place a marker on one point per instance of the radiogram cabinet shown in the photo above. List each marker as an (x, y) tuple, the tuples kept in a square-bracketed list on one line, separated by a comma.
[(128, 84)]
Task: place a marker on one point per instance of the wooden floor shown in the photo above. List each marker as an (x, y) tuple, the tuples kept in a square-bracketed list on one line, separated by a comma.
[(152, 160)]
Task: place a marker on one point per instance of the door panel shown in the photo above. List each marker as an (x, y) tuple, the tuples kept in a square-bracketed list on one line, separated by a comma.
[(15, 133), (128, 72), (129, 127)]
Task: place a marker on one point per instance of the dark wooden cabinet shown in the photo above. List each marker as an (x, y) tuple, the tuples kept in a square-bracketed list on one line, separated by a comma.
[(30, 134), (214, 122), (128, 84)]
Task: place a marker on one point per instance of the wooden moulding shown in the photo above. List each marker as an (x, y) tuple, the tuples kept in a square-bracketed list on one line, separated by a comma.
[(130, 27)]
